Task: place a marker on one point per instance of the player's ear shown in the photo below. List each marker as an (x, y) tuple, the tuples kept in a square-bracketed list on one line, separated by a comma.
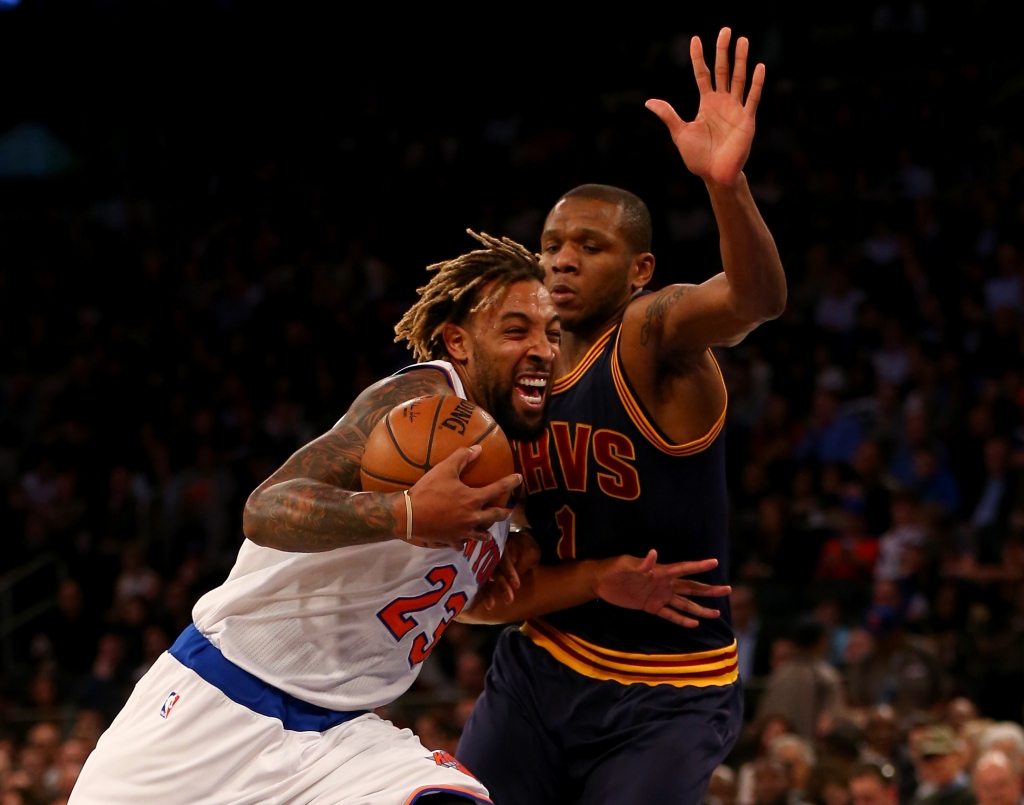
[(456, 342), (641, 270)]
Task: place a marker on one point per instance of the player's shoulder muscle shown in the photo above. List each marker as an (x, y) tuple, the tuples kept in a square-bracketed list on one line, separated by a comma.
[(375, 401), (334, 457)]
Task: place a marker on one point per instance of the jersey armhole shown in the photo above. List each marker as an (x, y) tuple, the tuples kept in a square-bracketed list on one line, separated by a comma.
[(645, 422), (419, 367)]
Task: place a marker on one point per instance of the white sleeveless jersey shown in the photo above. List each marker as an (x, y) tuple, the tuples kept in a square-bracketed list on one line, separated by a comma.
[(346, 629)]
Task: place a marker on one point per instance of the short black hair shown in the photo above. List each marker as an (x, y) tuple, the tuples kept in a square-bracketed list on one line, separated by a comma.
[(807, 633), (885, 774), (636, 218)]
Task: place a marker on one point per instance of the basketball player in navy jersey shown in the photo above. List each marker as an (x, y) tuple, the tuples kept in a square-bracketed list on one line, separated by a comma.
[(599, 703)]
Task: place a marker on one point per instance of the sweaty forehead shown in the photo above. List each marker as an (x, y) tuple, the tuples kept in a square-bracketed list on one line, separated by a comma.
[(527, 297), (573, 214)]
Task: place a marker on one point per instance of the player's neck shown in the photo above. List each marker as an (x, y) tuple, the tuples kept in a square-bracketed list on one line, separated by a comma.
[(576, 343), (467, 386)]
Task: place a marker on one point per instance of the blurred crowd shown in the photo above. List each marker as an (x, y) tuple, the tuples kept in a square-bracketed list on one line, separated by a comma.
[(171, 329)]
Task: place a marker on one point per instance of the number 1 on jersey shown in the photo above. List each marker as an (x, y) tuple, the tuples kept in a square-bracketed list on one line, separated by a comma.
[(565, 519)]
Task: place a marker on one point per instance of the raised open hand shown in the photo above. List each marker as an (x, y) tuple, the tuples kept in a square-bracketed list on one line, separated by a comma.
[(632, 583), (716, 144)]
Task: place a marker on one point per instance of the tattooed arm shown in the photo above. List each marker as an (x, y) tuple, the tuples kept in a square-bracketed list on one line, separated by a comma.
[(313, 503), (684, 320)]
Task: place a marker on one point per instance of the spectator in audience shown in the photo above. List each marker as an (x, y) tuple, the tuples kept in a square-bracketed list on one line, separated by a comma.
[(996, 780), (752, 644), (103, 689), (1006, 737), (897, 671), (828, 784), (850, 555), (70, 629), (934, 483), (771, 783), (907, 530), (941, 768), (881, 734), (871, 785), (721, 787), (766, 728), (797, 757), (831, 436), (806, 688)]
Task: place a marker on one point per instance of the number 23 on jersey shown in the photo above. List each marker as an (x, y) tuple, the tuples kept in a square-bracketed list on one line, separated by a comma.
[(397, 616)]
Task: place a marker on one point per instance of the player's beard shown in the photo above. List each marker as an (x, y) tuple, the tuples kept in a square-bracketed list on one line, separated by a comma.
[(498, 402)]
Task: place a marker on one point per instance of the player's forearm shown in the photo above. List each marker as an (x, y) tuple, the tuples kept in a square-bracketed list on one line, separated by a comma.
[(750, 259), (306, 516), (544, 589)]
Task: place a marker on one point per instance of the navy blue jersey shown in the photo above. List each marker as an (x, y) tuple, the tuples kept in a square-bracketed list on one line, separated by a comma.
[(602, 481)]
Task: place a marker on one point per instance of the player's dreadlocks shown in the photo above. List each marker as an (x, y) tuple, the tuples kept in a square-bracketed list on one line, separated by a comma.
[(451, 294)]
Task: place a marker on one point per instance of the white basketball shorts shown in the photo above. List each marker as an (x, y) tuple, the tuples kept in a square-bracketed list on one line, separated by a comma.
[(181, 740)]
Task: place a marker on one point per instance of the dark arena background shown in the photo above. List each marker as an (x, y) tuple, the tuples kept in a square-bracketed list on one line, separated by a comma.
[(213, 215)]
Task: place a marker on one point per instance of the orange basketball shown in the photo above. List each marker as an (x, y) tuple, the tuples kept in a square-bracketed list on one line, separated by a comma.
[(418, 434)]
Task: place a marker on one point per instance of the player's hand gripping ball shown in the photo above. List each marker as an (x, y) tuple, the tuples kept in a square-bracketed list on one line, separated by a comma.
[(418, 434)]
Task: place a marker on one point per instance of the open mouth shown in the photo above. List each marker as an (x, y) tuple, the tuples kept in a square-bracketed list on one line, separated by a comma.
[(532, 391)]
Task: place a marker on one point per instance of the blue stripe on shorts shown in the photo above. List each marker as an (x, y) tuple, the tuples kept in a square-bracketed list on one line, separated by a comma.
[(195, 651)]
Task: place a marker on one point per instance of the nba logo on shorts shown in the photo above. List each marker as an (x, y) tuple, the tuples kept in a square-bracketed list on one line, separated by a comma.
[(169, 702)]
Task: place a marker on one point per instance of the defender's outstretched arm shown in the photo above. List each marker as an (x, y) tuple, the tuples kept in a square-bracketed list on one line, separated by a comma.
[(624, 581), (313, 503), (685, 319)]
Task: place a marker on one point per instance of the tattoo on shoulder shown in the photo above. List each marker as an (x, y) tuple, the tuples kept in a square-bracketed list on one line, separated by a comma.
[(657, 308), (307, 505), (335, 456)]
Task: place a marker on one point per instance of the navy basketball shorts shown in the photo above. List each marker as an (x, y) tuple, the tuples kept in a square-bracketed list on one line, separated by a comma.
[(542, 734)]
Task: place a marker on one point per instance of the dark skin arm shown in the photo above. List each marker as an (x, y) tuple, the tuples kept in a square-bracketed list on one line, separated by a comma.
[(624, 581), (665, 338), (715, 146), (313, 502)]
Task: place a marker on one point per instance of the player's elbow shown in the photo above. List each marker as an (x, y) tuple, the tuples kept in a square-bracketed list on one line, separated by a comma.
[(253, 520), (775, 303), (767, 303)]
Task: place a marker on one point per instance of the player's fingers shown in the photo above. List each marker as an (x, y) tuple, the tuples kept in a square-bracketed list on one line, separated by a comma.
[(756, 85), (489, 517), (681, 604), (500, 488), (690, 568), (648, 562), (668, 115), (700, 69), (670, 614), (507, 570), (739, 68), (503, 590), (722, 60), (687, 587), (461, 458)]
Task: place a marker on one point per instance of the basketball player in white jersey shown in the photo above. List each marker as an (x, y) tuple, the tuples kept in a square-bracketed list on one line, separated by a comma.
[(337, 595)]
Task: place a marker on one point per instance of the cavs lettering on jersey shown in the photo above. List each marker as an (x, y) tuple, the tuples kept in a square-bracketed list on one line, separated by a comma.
[(346, 629), (602, 481)]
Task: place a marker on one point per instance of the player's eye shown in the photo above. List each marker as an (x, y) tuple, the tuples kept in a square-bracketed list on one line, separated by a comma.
[(591, 248), (555, 337), (515, 331), (551, 248)]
